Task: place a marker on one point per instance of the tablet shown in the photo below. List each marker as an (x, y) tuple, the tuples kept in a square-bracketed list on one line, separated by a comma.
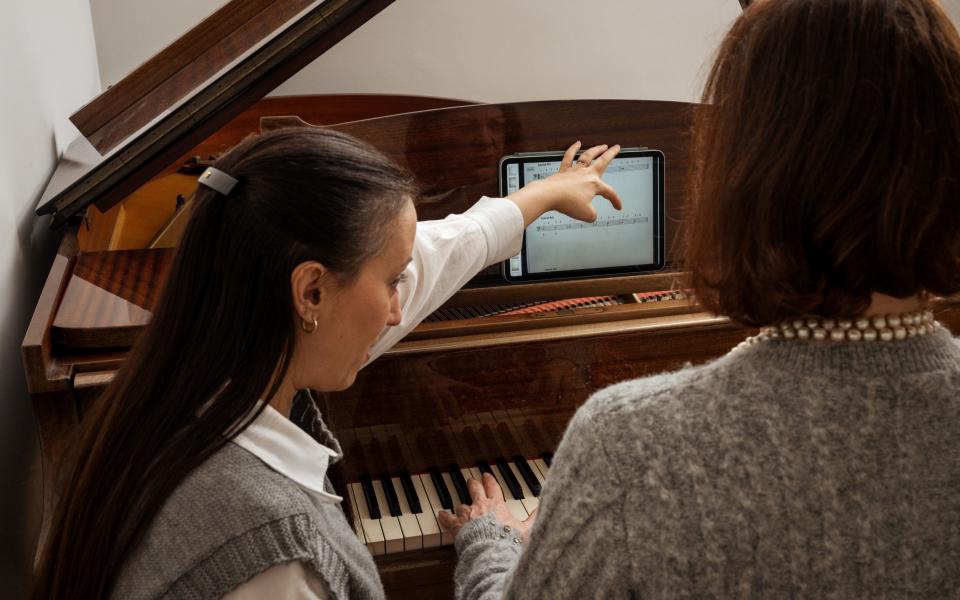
[(619, 242)]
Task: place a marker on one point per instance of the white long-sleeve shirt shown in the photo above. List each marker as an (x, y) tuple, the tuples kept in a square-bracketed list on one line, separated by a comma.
[(446, 254)]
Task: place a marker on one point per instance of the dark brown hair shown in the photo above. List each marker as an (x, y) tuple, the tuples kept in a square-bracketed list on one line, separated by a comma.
[(826, 157), (220, 339)]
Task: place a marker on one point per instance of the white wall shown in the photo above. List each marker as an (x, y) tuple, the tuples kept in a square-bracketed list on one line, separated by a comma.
[(48, 68), (953, 9), (482, 50)]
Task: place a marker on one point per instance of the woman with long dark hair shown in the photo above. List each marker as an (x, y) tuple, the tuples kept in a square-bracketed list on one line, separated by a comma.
[(301, 262), (821, 458)]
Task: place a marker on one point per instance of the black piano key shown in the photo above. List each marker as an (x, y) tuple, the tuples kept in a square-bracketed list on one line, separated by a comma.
[(533, 484), (413, 501), (460, 484), (547, 458), (442, 492), (484, 467), (393, 503), (373, 507), (508, 478)]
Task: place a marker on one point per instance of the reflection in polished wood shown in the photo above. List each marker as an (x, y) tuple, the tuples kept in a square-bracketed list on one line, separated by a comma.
[(493, 400), (153, 205), (454, 153), (109, 298), (328, 109)]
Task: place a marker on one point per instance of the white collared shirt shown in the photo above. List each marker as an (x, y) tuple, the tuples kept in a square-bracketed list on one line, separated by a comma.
[(290, 451), (446, 255)]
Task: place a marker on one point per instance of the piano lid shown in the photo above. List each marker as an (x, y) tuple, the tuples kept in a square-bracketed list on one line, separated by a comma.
[(192, 88)]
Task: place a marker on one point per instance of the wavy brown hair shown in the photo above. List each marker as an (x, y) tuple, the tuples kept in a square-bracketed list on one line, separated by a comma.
[(826, 160), (219, 340)]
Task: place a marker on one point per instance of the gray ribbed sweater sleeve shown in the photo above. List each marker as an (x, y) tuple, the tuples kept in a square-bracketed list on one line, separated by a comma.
[(572, 540), (784, 469)]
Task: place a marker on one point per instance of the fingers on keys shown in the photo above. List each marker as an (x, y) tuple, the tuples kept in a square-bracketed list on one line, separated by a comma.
[(403, 513)]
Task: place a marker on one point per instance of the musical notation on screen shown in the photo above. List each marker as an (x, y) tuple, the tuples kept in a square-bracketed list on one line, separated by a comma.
[(537, 171), (609, 222)]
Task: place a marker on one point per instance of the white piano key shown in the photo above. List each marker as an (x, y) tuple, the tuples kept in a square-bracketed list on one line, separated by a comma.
[(476, 474), (452, 489), (536, 473), (412, 536), (445, 538), (426, 519), (371, 527), (392, 533), (542, 467), (515, 507), (357, 528), (530, 502)]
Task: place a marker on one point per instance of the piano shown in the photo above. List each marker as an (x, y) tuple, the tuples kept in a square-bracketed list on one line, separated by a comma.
[(486, 383)]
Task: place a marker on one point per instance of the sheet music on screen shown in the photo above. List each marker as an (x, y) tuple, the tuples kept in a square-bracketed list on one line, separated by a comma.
[(555, 242)]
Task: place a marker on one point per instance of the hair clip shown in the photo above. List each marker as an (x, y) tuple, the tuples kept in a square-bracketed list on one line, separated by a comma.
[(217, 180)]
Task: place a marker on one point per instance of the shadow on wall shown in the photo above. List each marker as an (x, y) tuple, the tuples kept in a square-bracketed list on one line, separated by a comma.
[(27, 264)]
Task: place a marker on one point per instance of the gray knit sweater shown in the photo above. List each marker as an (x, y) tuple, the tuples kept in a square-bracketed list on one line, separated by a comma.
[(784, 469), (232, 518)]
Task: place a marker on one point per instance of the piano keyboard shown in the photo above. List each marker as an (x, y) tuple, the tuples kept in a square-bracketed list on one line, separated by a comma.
[(398, 513)]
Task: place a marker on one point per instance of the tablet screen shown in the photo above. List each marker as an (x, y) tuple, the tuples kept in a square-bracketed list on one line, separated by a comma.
[(623, 241)]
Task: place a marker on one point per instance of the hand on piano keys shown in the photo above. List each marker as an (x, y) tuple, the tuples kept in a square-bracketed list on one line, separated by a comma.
[(399, 512)]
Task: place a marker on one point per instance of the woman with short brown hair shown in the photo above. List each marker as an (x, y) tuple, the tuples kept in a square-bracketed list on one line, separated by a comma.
[(821, 457)]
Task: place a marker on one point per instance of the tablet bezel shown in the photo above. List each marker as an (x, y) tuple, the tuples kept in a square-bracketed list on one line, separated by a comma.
[(658, 221)]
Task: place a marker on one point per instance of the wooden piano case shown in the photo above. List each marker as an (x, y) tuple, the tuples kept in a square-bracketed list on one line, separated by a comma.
[(475, 382), (466, 386)]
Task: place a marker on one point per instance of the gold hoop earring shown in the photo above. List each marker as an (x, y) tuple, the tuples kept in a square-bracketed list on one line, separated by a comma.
[(303, 325)]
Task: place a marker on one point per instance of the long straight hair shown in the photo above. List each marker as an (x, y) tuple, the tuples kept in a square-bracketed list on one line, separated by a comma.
[(220, 339)]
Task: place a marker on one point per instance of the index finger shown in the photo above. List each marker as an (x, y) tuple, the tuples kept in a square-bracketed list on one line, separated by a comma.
[(604, 160)]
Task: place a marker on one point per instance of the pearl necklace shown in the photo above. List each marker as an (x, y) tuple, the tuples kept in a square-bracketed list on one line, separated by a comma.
[(868, 329)]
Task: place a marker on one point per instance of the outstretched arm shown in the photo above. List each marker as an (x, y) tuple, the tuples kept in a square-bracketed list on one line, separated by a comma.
[(449, 252)]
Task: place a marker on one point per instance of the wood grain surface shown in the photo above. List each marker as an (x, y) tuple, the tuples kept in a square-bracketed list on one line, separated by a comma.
[(180, 68)]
